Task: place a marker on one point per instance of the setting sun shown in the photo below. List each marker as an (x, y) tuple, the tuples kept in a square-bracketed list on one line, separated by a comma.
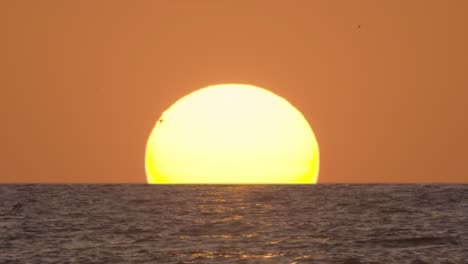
[(232, 133)]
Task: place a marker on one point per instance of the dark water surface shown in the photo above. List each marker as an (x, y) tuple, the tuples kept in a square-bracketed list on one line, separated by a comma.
[(347, 224)]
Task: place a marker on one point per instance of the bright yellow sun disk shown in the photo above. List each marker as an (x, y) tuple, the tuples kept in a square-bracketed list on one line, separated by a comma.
[(232, 133)]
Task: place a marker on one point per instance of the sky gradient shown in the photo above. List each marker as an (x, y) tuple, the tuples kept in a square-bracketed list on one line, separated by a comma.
[(382, 83)]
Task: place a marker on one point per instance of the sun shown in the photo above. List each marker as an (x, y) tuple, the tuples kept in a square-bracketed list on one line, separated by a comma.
[(232, 134)]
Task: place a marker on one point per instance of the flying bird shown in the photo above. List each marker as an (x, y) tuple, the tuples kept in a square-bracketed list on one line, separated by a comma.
[(15, 208)]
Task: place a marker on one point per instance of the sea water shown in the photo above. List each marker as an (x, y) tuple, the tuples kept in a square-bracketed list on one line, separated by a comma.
[(234, 224)]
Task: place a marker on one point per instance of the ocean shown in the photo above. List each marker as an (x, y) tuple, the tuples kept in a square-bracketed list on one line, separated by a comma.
[(348, 224)]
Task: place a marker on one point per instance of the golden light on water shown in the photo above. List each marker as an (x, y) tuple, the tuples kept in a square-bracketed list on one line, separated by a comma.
[(229, 134)]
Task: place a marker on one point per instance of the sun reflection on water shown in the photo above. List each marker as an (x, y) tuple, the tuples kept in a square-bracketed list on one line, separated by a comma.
[(242, 255)]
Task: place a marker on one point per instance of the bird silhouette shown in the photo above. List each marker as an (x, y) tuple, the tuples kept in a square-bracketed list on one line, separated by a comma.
[(15, 208)]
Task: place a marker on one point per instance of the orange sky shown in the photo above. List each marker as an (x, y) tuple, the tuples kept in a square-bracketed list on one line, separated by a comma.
[(82, 82)]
